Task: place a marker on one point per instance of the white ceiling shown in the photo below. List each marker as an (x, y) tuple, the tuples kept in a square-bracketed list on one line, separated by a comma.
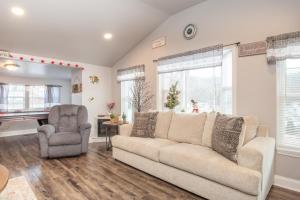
[(36, 70), (73, 29), (172, 6)]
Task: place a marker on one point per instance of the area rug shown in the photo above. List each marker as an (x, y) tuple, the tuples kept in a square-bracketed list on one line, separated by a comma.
[(17, 189)]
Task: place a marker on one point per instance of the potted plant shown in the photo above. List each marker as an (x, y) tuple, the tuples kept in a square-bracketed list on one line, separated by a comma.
[(114, 118), (124, 118), (173, 97), (110, 107)]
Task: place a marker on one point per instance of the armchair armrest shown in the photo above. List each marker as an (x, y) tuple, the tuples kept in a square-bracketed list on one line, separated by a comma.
[(47, 129), (125, 129), (85, 126)]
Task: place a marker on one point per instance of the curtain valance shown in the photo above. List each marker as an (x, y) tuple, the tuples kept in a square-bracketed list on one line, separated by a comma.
[(282, 47), (131, 73), (201, 58)]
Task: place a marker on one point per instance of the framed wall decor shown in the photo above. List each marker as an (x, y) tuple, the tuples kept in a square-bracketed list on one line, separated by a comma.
[(190, 31)]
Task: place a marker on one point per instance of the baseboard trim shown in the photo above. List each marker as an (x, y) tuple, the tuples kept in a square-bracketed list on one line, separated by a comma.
[(96, 139), (20, 132), (287, 183)]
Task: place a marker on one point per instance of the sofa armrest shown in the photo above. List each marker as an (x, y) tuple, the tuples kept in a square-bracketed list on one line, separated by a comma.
[(257, 153), (47, 129), (262, 131), (125, 129)]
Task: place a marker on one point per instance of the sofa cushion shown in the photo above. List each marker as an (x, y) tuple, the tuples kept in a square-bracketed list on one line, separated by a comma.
[(208, 129), (144, 124), (207, 163), (64, 138), (146, 147), (163, 124), (187, 127), (250, 128)]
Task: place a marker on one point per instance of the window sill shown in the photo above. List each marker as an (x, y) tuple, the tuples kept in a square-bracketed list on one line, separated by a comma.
[(288, 151)]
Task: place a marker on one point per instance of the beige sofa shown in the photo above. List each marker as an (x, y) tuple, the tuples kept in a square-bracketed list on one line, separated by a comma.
[(181, 154)]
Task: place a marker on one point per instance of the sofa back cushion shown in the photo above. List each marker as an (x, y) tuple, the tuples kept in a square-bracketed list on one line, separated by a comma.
[(187, 128), (208, 129), (163, 124), (67, 118), (250, 128)]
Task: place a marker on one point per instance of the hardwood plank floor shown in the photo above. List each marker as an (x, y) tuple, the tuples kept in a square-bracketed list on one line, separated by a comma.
[(93, 176)]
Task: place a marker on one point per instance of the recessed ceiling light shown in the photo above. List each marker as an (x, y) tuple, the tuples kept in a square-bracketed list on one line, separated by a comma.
[(17, 11), (11, 66), (107, 36)]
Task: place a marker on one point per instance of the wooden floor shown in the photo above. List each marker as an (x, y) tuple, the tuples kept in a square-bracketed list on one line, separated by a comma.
[(93, 176)]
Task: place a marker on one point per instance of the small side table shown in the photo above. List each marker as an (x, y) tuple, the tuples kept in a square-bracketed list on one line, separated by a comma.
[(109, 126), (4, 174)]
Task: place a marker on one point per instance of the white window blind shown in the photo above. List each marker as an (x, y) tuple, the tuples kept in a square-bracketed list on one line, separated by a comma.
[(36, 97), (284, 52), (288, 81), (16, 97), (205, 77)]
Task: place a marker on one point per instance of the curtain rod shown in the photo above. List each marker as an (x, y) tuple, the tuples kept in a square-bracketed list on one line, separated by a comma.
[(226, 45)]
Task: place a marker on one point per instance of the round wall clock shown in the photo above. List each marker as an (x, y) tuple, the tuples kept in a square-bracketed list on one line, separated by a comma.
[(189, 31)]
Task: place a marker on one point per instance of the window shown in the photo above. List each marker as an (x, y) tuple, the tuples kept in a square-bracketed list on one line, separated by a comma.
[(126, 77), (16, 97), (289, 102), (283, 52), (210, 85), (126, 105), (36, 97)]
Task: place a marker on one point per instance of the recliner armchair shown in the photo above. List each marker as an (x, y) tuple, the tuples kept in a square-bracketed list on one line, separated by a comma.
[(67, 133)]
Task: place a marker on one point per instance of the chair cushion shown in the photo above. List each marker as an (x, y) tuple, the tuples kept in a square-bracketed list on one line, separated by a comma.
[(250, 127), (207, 163), (64, 138), (187, 128), (146, 147), (163, 124)]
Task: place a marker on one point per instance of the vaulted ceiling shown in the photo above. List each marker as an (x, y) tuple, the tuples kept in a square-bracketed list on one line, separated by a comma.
[(73, 29)]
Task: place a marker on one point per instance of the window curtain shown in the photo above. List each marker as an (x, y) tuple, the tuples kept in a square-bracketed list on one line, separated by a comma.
[(3, 97), (201, 58), (52, 95), (284, 51), (131, 73), (282, 47)]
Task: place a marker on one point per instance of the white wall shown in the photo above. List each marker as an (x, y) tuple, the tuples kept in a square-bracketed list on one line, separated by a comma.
[(101, 92), (227, 22)]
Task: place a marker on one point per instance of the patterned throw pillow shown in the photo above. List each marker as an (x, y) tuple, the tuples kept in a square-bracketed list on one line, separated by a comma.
[(226, 135), (144, 124)]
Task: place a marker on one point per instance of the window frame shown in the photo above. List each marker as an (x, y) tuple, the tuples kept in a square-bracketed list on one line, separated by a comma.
[(234, 50)]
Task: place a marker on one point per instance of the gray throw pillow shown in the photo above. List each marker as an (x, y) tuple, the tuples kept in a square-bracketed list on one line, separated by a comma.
[(144, 124), (226, 135)]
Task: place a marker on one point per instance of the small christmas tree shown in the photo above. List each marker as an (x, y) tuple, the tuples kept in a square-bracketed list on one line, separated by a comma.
[(173, 97)]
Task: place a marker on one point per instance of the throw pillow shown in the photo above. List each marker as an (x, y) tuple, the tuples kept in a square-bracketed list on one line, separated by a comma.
[(144, 124), (227, 135)]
